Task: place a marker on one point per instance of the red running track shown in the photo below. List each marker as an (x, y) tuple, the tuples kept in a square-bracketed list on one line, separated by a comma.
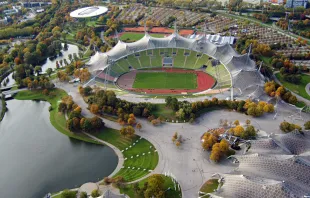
[(204, 82)]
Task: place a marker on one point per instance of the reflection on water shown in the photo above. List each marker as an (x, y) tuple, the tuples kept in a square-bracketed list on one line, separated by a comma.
[(52, 63), (37, 159), (49, 63)]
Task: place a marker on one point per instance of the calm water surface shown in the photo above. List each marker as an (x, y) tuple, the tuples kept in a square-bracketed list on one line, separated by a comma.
[(65, 54), (36, 159)]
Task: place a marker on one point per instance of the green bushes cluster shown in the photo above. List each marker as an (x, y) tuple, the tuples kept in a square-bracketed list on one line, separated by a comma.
[(4, 108)]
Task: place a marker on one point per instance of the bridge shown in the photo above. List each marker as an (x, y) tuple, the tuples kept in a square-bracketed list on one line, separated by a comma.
[(7, 87), (9, 94)]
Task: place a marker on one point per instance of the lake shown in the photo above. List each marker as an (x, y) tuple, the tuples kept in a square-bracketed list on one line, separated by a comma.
[(37, 159), (52, 63)]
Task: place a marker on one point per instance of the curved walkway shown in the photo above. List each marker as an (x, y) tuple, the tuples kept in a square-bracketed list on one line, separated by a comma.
[(117, 152), (308, 88)]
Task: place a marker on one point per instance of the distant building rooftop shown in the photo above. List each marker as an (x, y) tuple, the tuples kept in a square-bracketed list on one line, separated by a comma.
[(296, 3)]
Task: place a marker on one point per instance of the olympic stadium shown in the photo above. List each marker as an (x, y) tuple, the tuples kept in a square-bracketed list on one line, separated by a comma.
[(178, 65)]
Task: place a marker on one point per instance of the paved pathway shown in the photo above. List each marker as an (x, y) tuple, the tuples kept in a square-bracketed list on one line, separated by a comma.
[(10, 92), (308, 88), (189, 164)]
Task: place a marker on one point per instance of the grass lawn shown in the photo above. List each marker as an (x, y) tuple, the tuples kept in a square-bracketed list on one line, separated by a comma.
[(91, 23), (137, 165), (171, 193), (296, 88), (132, 36), (266, 60), (162, 110), (209, 186), (57, 120), (163, 80)]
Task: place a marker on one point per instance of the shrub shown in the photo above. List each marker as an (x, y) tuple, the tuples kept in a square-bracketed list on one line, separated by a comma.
[(95, 193), (307, 125), (288, 127), (68, 194)]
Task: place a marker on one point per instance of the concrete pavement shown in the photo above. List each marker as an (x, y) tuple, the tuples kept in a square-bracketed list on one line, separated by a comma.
[(189, 164)]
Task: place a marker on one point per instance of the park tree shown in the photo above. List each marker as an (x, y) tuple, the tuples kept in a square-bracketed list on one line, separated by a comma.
[(70, 57), (132, 119), (180, 114), (238, 130), (215, 153), (208, 140), (136, 111), (175, 137), (66, 47), (94, 108), (236, 123), (76, 123), (248, 122), (139, 126), (49, 71), (128, 131), (62, 107), (62, 76), (155, 186), (68, 194), (38, 70), (83, 195), (268, 108), (224, 146), (70, 125), (178, 143), (87, 91), (248, 132), (288, 127), (95, 193), (307, 125), (61, 62), (86, 125)]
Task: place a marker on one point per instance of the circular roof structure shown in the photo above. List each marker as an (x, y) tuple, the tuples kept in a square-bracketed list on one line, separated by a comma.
[(89, 12)]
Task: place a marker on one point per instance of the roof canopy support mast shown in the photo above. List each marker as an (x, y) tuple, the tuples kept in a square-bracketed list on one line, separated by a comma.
[(145, 30), (107, 73), (116, 37), (175, 26), (249, 52)]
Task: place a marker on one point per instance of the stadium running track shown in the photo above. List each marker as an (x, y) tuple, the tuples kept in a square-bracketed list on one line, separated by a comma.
[(204, 82)]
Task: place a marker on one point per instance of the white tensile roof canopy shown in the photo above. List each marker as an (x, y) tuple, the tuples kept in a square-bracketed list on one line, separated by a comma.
[(89, 12)]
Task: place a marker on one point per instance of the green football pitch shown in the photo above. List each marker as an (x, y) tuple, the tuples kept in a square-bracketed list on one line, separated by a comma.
[(163, 80)]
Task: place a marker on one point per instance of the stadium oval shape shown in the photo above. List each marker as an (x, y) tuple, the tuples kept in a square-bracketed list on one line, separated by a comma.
[(244, 75), (89, 12)]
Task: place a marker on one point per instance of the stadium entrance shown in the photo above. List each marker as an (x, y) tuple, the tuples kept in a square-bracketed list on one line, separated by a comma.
[(167, 62)]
